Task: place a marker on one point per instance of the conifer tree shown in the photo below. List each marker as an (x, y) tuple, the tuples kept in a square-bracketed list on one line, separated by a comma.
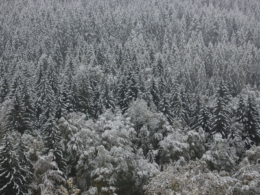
[(52, 141), (162, 86), (164, 107), (155, 93), (204, 118), (221, 113), (16, 119), (69, 88), (83, 94), (252, 122), (13, 171), (4, 89), (241, 111), (52, 74), (195, 113), (45, 103), (158, 68), (150, 155), (108, 99), (25, 162), (96, 104), (121, 94), (132, 88)]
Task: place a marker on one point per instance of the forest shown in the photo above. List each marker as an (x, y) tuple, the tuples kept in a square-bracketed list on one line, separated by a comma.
[(130, 97)]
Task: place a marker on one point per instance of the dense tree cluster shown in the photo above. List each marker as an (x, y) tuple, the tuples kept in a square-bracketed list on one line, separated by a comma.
[(129, 97)]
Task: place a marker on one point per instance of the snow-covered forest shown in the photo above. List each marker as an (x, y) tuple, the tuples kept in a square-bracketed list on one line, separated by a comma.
[(129, 97)]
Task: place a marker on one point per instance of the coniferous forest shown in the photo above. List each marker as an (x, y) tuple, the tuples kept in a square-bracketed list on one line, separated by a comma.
[(130, 97)]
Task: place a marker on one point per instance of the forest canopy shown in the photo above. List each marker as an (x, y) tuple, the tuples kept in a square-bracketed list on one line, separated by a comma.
[(129, 97)]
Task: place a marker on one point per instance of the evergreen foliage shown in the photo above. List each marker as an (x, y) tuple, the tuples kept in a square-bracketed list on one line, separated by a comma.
[(252, 123), (221, 113), (125, 96), (15, 174), (52, 142)]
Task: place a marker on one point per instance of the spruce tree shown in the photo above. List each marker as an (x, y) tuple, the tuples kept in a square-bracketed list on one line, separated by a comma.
[(97, 103), (52, 141), (133, 88), (150, 155), (4, 89), (252, 122), (13, 171), (45, 103), (122, 101), (52, 73), (67, 85), (108, 99), (201, 117), (241, 111), (221, 113), (83, 95), (25, 162), (155, 93), (16, 118), (204, 118), (164, 107)]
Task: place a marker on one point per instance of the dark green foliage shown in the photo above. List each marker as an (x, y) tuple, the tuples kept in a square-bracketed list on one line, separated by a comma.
[(241, 111), (252, 123), (132, 88), (16, 118), (4, 89), (150, 155), (45, 104), (107, 98), (96, 104), (82, 97), (64, 58), (164, 107), (158, 68), (25, 162), (201, 117), (155, 93), (15, 174), (52, 141), (122, 100), (221, 113)]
